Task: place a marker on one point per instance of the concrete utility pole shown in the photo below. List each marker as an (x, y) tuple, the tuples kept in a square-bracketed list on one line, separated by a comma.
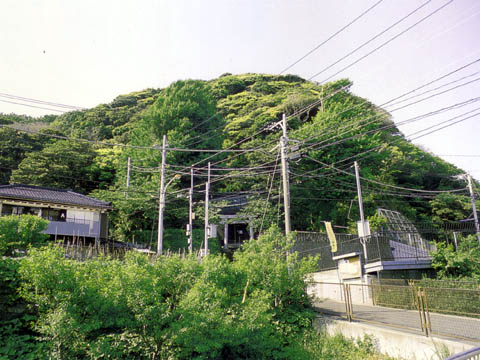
[(190, 213), (161, 208), (129, 164), (359, 192), (286, 185), (474, 206), (207, 226), (360, 205)]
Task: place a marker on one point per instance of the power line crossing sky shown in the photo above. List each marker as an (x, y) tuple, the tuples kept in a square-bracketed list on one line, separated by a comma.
[(86, 53)]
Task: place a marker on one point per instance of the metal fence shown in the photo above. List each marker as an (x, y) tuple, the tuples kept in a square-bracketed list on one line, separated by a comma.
[(81, 253), (379, 247), (451, 312), (472, 354), (397, 241), (432, 283)]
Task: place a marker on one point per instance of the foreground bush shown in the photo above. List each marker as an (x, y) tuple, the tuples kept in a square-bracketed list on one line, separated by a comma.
[(19, 232), (174, 307), (17, 341), (459, 264)]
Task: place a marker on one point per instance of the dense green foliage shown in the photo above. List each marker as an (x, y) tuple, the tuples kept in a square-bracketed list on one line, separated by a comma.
[(17, 340), (459, 263), (19, 232), (177, 307), (218, 114), (174, 307)]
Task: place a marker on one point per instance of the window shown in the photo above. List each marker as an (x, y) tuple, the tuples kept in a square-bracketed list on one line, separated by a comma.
[(7, 210), (19, 210), (54, 215)]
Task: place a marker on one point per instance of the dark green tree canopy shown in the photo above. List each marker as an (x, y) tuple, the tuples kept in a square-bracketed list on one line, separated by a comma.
[(237, 111)]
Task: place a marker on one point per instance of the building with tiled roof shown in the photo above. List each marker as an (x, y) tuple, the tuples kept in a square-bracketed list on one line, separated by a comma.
[(71, 215)]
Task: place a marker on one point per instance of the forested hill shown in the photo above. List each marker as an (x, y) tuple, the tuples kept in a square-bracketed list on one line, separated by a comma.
[(328, 127)]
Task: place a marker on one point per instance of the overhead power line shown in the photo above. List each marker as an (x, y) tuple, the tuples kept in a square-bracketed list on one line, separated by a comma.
[(349, 127), (441, 86), (371, 39), (42, 102), (460, 155), (331, 36), (32, 106), (385, 43), (386, 185), (323, 144), (408, 137)]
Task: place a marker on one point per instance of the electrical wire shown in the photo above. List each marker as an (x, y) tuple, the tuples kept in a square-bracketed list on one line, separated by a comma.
[(385, 43), (36, 101), (331, 36), (397, 97), (386, 185), (324, 144), (269, 191), (371, 39), (32, 106)]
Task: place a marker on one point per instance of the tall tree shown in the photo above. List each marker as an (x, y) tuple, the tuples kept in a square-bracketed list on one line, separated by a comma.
[(14, 146), (62, 164)]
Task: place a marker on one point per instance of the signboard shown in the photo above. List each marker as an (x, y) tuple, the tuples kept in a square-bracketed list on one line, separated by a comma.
[(363, 228), (331, 236), (349, 268)]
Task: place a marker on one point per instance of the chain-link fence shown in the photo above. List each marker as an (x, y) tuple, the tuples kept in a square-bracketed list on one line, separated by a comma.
[(452, 312), (395, 242)]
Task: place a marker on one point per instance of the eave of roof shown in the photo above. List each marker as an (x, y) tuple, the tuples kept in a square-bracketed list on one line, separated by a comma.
[(50, 195)]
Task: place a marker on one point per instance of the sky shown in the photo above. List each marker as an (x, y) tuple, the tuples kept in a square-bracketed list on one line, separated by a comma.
[(84, 53)]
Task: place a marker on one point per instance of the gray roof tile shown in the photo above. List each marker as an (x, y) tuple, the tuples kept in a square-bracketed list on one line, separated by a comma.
[(56, 196)]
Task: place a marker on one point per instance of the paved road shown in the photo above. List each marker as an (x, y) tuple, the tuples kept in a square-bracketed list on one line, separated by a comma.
[(444, 325)]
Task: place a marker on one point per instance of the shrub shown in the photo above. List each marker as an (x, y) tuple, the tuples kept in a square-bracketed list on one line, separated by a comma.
[(17, 341), (460, 263), (175, 240), (174, 307), (18, 232)]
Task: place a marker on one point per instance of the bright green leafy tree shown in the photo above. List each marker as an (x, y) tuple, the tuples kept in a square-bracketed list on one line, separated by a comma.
[(19, 232)]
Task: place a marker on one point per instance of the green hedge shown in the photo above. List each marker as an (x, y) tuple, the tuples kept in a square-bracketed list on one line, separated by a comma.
[(176, 240), (17, 340)]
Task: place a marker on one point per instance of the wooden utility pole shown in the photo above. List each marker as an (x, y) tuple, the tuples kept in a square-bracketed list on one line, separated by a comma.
[(286, 185), (474, 206), (190, 213), (161, 207), (207, 225)]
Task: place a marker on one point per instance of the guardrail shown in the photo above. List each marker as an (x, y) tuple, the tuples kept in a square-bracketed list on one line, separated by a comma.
[(472, 354)]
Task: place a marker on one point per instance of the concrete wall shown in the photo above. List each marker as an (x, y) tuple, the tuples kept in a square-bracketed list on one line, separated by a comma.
[(326, 285), (399, 344)]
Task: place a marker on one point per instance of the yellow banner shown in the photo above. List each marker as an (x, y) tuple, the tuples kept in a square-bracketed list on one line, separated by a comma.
[(331, 236)]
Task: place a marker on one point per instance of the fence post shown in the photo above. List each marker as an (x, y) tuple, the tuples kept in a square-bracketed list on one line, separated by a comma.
[(421, 310), (426, 311), (350, 306), (346, 291), (373, 293)]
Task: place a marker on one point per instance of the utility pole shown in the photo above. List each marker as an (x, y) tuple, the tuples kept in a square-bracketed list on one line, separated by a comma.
[(286, 185), (129, 164), (359, 192), (190, 213), (360, 205), (161, 208), (207, 226), (474, 207)]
